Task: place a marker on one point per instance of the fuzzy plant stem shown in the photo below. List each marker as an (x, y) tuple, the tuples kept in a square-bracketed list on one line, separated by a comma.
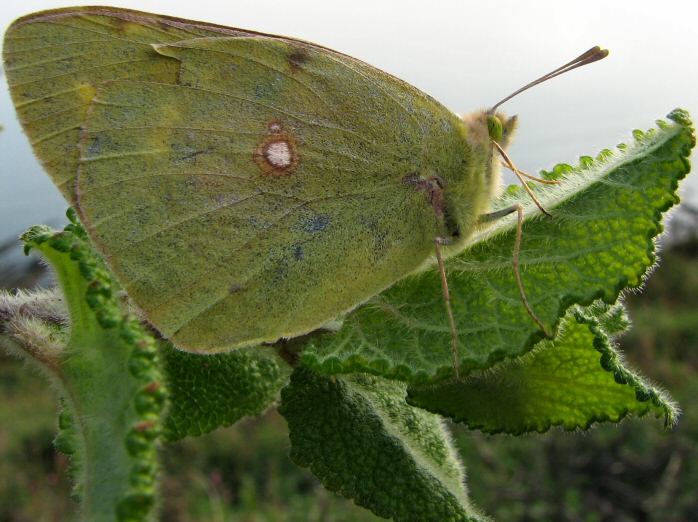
[(111, 387)]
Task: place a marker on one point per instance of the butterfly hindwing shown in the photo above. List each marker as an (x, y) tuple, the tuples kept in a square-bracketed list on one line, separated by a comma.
[(242, 187), (216, 245)]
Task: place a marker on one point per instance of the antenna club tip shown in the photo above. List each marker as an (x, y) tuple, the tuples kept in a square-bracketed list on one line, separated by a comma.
[(598, 52)]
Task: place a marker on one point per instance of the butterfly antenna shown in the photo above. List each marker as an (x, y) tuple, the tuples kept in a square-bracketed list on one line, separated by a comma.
[(594, 54)]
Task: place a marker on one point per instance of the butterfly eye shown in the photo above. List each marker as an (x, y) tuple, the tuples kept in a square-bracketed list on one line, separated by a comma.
[(494, 127)]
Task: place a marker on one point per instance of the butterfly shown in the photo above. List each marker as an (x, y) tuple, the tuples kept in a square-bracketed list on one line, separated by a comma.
[(246, 187)]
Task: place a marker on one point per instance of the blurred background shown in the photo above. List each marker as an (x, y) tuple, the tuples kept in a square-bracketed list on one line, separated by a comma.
[(467, 55)]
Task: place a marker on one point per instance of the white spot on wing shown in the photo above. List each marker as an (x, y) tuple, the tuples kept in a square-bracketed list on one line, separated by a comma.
[(278, 154)]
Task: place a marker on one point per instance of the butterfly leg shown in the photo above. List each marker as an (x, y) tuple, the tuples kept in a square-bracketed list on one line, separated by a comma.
[(493, 216), (519, 175), (532, 178), (438, 242)]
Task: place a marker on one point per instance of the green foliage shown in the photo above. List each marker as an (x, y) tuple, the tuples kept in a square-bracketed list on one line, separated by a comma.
[(243, 473), (213, 391), (560, 383), (361, 439), (358, 433), (606, 213), (207, 392)]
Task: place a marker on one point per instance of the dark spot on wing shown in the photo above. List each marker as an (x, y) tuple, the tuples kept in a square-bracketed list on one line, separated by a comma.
[(193, 154), (317, 223), (235, 288), (380, 246), (379, 236), (95, 146), (298, 252), (298, 57), (185, 153)]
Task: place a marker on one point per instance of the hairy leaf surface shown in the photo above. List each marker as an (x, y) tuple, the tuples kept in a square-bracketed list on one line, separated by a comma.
[(213, 391), (362, 440), (574, 381)]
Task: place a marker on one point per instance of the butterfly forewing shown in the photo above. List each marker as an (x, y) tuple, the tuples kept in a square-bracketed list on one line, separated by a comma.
[(54, 60)]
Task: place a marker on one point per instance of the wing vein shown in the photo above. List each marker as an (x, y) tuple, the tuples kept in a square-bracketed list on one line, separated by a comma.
[(50, 135), (45, 47), (23, 104), (77, 72), (22, 66)]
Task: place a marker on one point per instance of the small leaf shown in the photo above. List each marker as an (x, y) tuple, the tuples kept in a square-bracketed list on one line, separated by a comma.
[(211, 391), (572, 382), (606, 214), (613, 319), (362, 440)]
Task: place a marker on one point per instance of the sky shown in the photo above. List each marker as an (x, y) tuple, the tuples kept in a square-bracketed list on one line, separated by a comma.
[(466, 54)]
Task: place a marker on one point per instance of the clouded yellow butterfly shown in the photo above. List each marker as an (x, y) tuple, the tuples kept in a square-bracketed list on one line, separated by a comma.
[(244, 187)]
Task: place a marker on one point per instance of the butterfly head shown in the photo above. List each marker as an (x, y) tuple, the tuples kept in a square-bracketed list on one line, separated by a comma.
[(500, 128), (484, 127)]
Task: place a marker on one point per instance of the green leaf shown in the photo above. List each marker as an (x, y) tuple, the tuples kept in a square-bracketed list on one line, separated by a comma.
[(573, 382), (613, 319), (606, 213), (361, 438), (211, 391)]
